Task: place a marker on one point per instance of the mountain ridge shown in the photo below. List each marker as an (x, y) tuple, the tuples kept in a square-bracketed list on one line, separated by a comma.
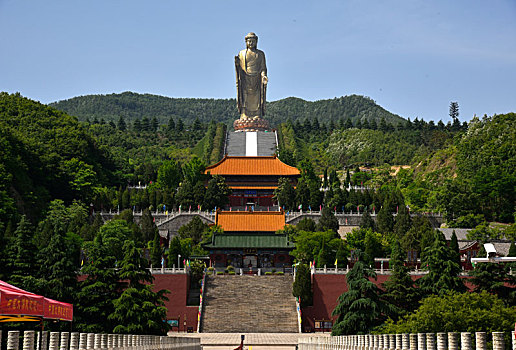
[(132, 106)]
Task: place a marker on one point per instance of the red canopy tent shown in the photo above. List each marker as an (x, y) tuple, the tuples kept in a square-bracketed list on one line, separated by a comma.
[(17, 304)]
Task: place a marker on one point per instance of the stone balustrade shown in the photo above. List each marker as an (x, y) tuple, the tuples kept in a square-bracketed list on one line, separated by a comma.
[(31, 340), (419, 341)]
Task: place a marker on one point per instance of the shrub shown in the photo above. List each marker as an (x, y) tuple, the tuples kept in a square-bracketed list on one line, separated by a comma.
[(268, 273), (231, 272), (280, 273), (220, 272)]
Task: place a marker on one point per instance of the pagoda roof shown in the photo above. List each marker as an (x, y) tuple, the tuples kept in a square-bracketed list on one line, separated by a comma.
[(252, 166), (250, 221), (249, 241)]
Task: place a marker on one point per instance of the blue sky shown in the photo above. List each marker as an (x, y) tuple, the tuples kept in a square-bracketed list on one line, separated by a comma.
[(412, 57)]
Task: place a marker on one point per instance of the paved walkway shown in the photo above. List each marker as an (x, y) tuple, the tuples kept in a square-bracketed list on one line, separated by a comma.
[(253, 341)]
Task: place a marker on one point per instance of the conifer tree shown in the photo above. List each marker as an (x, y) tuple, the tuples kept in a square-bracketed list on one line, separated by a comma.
[(494, 279), (454, 247), (399, 288), (22, 263), (328, 221), (361, 308), (155, 252), (302, 287), (367, 221), (121, 124), (138, 310), (174, 251), (58, 262), (148, 227), (443, 270), (385, 221), (285, 194), (403, 222), (98, 291)]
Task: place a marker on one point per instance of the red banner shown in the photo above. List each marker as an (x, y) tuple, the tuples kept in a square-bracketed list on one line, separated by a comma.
[(16, 301)]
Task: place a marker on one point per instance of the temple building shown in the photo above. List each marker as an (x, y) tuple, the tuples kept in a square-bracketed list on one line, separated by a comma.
[(253, 179), (250, 241)]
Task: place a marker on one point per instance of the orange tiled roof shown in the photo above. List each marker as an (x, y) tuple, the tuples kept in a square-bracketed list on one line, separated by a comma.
[(251, 166), (258, 221)]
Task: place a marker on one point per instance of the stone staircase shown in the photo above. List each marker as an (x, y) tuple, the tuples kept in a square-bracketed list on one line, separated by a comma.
[(249, 304), (236, 143)]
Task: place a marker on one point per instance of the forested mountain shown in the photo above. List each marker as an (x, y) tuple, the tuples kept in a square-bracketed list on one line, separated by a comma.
[(45, 154), (132, 106)]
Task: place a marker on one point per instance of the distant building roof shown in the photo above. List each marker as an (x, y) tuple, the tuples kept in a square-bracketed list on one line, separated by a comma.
[(250, 241), (245, 221), (252, 166), (460, 232)]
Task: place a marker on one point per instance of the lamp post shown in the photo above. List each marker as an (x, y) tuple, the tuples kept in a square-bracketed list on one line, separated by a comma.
[(178, 261)]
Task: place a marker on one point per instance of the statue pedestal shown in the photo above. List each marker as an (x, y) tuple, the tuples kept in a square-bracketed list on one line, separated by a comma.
[(257, 124)]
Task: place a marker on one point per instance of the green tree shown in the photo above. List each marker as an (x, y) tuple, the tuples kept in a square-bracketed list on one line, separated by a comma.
[(385, 221), (174, 251), (169, 175), (147, 225), (328, 221), (121, 124), (361, 308), (494, 279), (457, 312), (367, 222), (100, 288), (21, 261), (403, 222), (59, 263), (454, 247), (138, 310), (399, 288), (306, 224), (156, 251), (217, 193), (193, 229), (193, 171), (302, 287), (285, 194), (443, 272)]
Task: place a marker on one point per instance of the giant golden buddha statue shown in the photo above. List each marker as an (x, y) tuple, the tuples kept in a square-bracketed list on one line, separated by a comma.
[(251, 81)]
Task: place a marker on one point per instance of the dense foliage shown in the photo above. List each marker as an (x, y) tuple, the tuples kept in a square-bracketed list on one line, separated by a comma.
[(135, 106)]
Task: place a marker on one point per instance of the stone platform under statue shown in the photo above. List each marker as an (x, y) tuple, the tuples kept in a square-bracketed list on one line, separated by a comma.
[(251, 124)]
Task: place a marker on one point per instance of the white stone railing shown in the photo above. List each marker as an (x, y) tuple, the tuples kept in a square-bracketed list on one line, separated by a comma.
[(406, 341), (84, 341)]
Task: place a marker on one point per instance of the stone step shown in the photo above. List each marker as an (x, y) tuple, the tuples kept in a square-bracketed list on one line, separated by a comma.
[(265, 144), (249, 304)]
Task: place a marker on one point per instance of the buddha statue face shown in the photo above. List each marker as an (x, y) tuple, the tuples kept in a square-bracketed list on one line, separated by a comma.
[(251, 40)]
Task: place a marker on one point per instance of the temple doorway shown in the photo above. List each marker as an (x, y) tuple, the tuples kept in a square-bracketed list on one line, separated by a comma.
[(250, 261)]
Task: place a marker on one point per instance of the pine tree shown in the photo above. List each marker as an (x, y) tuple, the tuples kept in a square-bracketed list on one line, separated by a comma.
[(367, 221), (403, 222), (138, 310), (443, 270), (21, 260), (385, 221), (121, 124), (399, 288), (98, 291), (302, 287), (156, 251), (454, 247), (494, 279), (285, 194), (361, 308), (174, 251), (58, 263), (146, 124), (217, 193), (147, 225), (328, 221), (154, 124)]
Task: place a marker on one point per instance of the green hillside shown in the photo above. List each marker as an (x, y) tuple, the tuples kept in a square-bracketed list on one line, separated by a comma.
[(132, 106)]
